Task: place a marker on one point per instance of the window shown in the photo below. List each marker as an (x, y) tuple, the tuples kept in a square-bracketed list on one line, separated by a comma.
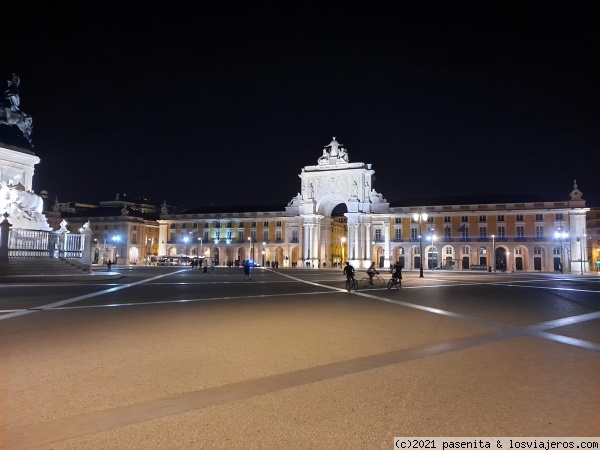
[(278, 236), (195, 225), (278, 223), (539, 232), (135, 227), (430, 219), (465, 232), (229, 224), (401, 250), (253, 224), (520, 232), (398, 220), (417, 251), (519, 218), (465, 250), (134, 238), (482, 218), (266, 235), (241, 236), (539, 217), (183, 226), (482, 232), (253, 235), (217, 234), (265, 224), (537, 251), (413, 234), (228, 235), (501, 218), (173, 226), (398, 234), (449, 250), (377, 235), (447, 219), (519, 251), (556, 250), (447, 232), (205, 236), (206, 225), (501, 232), (560, 216), (294, 235), (464, 219), (482, 250)]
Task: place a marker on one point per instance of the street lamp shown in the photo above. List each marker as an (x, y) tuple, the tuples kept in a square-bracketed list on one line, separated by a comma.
[(597, 259), (433, 237), (263, 254), (251, 248), (420, 217), (186, 239), (343, 241), (561, 237), (116, 239), (494, 251)]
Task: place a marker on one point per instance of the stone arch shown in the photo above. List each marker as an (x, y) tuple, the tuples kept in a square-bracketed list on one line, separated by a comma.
[(447, 257), (326, 205)]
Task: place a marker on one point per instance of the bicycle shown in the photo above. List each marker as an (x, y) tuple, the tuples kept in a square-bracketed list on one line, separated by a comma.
[(351, 283), (394, 282), (377, 281)]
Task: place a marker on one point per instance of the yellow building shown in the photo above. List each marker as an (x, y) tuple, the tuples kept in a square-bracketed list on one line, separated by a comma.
[(338, 215)]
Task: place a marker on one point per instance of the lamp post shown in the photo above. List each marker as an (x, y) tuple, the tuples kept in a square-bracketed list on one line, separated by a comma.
[(116, 239), (186, 239), (433, 237), (581, 261), (198, 249), (597, 259), (343, 241), (251, 248), (263, 254), (494, 251), (561, 237), (420, 217)]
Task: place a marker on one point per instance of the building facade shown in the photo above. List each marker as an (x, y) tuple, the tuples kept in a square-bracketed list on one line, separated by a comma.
[(337, 215)]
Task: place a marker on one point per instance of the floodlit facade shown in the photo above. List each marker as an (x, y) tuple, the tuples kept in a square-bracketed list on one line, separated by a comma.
[(337, 215)]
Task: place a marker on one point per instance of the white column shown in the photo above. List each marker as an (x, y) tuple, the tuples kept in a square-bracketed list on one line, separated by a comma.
[(386, 261), (316, 247), (356, 242), (368, 241)]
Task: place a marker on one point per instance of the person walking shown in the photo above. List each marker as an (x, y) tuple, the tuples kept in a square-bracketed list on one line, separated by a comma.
[(109, 264), (247, 270)]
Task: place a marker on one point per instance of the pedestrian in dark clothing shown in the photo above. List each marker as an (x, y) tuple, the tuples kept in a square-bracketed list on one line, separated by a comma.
[(109, 264), (247, 270)]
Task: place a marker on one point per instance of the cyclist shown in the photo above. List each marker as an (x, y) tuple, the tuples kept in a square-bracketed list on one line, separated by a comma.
[(371, 271), (349, 271), (397, 273)]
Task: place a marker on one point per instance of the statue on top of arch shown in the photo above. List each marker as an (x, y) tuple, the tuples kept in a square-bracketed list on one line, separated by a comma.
[(334, 153), (10, 109)]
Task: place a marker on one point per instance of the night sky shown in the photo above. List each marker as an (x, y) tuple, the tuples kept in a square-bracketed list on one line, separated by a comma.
[(225, 105)]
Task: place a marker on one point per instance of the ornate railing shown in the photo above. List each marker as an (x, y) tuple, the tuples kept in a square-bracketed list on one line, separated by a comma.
[(44, 244)]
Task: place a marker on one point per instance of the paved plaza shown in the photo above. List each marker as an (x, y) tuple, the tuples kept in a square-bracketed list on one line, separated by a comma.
[(169, 357)]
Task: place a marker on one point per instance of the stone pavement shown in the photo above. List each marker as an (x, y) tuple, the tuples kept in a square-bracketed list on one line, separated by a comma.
[(325, 370)]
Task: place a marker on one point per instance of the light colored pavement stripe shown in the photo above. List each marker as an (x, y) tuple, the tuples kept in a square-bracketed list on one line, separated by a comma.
[(532, 330), (70, 427), (82, 297), (565, 321), (567, 340)]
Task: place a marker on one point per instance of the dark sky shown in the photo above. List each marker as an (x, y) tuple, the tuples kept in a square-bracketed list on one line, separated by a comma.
[(225, 105)]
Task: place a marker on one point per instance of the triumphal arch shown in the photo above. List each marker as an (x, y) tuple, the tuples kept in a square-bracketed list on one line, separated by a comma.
[(335, 183)]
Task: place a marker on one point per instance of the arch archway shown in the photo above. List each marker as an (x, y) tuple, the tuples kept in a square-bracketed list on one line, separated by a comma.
[(332, 205)]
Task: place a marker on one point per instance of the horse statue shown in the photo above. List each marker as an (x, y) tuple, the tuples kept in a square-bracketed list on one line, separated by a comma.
[(22, 120), (10, 111)]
